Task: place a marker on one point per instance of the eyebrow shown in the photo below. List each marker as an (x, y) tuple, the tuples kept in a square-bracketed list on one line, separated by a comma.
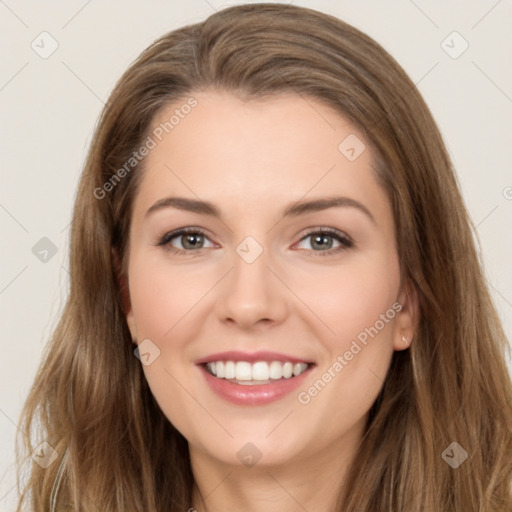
[(294, 210)]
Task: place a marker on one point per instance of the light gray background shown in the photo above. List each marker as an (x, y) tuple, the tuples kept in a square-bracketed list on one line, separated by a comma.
[(49, 108)]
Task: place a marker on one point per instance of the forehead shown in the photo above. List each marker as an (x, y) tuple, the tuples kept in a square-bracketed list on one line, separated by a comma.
[(265, 152)]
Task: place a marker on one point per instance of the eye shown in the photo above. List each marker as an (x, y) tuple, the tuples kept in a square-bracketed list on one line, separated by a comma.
[(188, 240), (184, 240), (323, 241)]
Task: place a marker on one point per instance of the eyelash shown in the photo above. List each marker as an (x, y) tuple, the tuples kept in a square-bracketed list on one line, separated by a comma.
[(345, 241)]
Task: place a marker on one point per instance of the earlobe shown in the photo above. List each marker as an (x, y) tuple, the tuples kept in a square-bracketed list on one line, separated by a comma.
[(407, 319), (124, 293)]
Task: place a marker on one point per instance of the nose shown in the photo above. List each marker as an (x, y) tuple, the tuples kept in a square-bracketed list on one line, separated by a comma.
[(252, 295)]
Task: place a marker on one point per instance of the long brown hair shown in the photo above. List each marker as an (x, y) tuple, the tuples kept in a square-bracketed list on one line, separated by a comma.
[(90, 400)]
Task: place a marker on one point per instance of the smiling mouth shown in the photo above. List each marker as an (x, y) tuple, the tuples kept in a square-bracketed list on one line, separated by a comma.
[(257, 373)]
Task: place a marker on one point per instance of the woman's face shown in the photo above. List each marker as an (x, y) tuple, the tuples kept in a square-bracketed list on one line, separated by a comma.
[(269, 272)]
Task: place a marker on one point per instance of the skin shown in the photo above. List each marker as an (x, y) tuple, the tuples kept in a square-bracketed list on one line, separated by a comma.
[(253, 159)]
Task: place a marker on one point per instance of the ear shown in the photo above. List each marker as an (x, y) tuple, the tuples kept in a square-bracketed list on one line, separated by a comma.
[(124, 292), (408, 317)]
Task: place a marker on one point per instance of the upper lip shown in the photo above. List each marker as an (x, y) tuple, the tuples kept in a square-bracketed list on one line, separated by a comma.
[(251, 357)]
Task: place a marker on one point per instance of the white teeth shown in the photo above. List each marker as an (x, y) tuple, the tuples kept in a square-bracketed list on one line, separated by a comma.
[(229, 370), (287, 370), (261, 371), (298, 368), (243, 371), (276, 370)]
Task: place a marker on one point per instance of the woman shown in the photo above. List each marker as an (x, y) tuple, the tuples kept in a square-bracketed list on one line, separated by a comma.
[(275, 299)]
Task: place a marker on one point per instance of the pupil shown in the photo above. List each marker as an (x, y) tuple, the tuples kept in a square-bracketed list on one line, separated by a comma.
[(322, 241), (192, 241)]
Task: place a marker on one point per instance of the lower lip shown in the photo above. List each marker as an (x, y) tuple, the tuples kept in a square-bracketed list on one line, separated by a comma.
[(257, 394)]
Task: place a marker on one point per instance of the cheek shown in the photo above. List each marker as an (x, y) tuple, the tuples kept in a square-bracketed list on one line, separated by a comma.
[(162, 295), (351, 298), (356, 303), (358, 309), (164, 300), (360, 312)]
